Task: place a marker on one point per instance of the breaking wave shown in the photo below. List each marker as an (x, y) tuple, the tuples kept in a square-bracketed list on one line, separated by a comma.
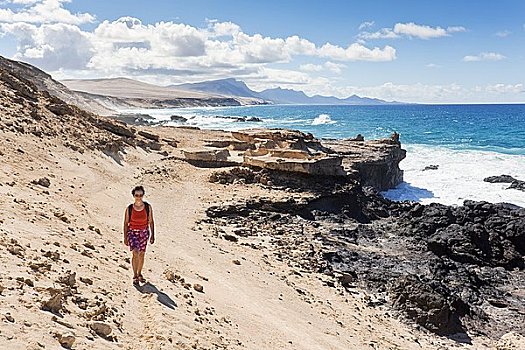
[(323, 119)]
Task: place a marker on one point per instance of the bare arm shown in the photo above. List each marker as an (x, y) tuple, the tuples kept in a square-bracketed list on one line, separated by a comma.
[(126, 222), (151, 225)]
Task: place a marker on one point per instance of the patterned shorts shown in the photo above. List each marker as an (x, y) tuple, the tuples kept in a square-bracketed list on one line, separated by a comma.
[(138, 239)]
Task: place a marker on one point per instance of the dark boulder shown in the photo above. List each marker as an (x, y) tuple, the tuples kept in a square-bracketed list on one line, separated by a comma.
[(431, 167), (117, 128), (499, 179), (178, 119), (430, 304), (518, 185), (149, 135), (60, 109)]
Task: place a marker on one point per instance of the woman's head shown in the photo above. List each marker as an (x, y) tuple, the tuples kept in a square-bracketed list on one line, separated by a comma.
[(138, 192)]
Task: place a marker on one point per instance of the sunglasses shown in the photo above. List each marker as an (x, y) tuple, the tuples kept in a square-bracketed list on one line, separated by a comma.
[(139, 194)]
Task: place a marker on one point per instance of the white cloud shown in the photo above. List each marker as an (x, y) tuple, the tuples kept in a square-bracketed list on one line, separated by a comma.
[(299, 46), (357, 52), (503, 33), (259, 49), (433, 65), (385, 33), (484, 56), (456, 29), (505, 88), (424, 31), (126, 45), (327, 66), (419, 31), (43, 11), (51, 46), (365, 25), (410, 30), (225, 28), (310, 67), (334, 67)]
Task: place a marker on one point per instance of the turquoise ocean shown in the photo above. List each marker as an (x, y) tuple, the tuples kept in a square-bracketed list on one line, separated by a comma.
[(466, 142)]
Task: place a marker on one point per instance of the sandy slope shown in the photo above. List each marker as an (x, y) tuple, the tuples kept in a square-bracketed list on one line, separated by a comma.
[(257, 304), (129, 88)]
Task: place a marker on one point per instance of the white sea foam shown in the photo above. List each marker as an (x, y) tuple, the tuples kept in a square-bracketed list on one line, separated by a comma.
[(459, 176), (323, 119)]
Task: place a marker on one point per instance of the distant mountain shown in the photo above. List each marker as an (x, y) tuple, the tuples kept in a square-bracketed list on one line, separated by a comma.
[(284, 96), (289, 96), (224, 87), (234, 87)]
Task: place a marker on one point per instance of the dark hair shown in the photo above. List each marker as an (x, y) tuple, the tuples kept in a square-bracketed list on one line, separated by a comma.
[(138, 188)]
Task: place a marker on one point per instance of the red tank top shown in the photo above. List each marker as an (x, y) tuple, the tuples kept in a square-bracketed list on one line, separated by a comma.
[(139, 219)]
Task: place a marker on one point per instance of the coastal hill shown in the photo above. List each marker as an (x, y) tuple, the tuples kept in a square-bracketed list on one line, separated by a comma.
[(244, 258), (234, 87), (130, 88), (226, 87), (117, 93), (45, 82)]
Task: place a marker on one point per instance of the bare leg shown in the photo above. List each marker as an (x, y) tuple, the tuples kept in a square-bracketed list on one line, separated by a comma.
[(135, 262), (140, 262)]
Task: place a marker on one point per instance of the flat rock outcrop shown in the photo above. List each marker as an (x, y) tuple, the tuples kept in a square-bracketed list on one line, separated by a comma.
[(374, 163)]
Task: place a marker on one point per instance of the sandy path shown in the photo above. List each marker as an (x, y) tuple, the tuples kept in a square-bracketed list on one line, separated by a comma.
[(256, 304)]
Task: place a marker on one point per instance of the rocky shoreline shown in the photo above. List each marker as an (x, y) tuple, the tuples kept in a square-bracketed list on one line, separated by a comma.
[(452, 270)]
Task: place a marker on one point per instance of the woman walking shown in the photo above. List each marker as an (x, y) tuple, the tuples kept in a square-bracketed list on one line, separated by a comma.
[(138, 221)]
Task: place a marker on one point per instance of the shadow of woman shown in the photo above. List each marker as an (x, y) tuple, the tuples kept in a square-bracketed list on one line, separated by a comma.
[(162, 297)]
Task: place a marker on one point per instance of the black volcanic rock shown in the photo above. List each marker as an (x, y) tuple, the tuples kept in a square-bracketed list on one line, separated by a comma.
[(499, 179), (136, 119), (178, 118), (431, 167), (429, 303), (514, 183), (440, 265), (518, 185)]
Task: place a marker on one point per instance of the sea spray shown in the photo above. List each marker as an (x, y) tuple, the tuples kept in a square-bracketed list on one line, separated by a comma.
[(449, 176), (323, 119)]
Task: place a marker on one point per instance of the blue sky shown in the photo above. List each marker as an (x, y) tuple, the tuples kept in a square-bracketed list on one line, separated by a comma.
[(414, 51)]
